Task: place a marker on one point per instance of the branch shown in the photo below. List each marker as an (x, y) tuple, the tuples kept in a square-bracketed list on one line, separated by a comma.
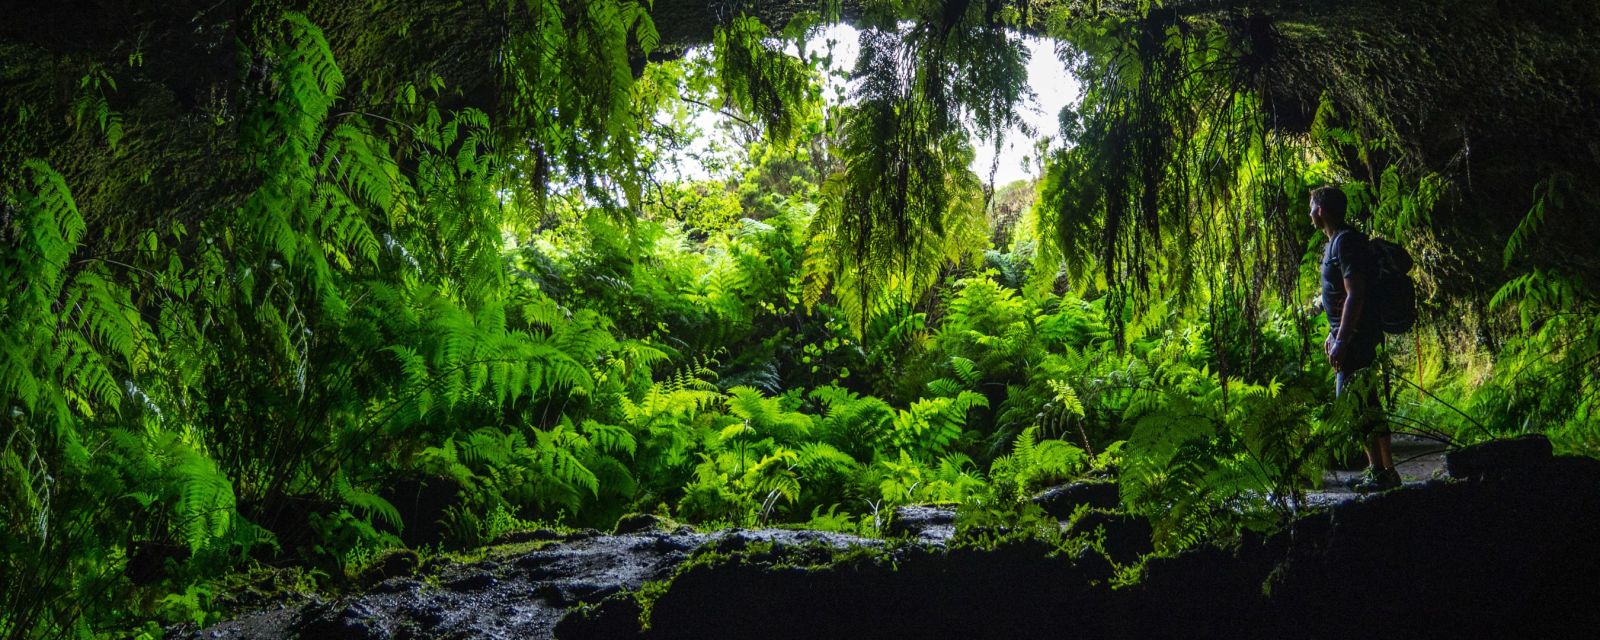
[(723, 112)]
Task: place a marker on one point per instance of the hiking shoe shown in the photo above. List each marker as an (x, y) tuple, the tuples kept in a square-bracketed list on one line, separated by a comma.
[(1378, 481), (1366, 477)]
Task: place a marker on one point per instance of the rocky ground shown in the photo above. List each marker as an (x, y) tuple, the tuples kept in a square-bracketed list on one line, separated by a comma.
[(521, 590), (1496, 540)]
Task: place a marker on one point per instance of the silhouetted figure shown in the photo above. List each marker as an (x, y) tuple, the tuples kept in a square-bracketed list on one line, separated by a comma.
[(1349, 271)]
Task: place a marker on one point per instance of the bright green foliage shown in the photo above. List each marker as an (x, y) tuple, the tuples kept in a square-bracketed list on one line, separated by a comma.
[(775, 87), (1559, 347), (906, 203), (1034, 465), (208, 380), (571, 88), (515, 302), (1202, 445)]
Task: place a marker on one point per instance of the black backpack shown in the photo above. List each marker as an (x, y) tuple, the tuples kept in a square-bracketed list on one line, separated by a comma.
[(1395, 293)]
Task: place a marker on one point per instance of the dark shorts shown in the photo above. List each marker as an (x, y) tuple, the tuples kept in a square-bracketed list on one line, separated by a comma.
[(1358, 371)]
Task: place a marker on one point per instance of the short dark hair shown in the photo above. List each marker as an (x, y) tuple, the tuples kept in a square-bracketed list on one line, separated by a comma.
[(1332, 201)]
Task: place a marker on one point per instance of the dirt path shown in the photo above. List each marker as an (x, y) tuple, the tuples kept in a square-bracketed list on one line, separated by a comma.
[(1417, 459)]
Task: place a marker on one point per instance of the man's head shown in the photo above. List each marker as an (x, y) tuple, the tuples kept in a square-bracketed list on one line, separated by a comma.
[(1327, 207)]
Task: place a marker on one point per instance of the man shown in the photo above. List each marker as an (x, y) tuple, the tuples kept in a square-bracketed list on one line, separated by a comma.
[(1349, 270)]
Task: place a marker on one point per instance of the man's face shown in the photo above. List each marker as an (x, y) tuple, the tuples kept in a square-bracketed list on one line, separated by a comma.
[(1315, 213)]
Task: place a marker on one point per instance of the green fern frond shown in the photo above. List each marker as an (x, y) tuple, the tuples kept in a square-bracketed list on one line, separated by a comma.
[(366, 502), (609, 438), (967, 370), (1068, 398)]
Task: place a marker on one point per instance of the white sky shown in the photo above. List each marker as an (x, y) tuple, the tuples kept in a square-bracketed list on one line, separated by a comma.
[(1052, 85), (1053, 88)]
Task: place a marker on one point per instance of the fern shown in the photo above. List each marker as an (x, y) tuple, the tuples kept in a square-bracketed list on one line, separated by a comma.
[(367, 502), (966, 370), (1032, 464), (760, 80), (1545, 195), (610, 439)]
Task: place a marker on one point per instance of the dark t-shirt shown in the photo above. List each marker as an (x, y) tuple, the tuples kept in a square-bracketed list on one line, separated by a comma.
[(1349, 254)]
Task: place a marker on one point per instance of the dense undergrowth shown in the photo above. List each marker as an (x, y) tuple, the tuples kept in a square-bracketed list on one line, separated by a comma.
[(388, 301)]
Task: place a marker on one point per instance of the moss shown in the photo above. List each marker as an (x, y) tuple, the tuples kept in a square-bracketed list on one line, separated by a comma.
[(646, 596), (814, 557), (259, 588)]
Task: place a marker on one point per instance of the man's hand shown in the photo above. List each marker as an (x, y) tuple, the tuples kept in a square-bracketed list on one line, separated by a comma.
[(1335, 350)]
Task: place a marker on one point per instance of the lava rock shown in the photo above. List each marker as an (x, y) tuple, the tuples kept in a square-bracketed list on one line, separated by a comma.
[(473, 582), (916, 520), (638, 523), (397, 585), (586, 591), (1512, 555), (1061, 502), (615, 618), (553, 594), (538, 565), (392, 564), (425, 613), (663, 543), (536, 535), (1494, 458), (335, 621)]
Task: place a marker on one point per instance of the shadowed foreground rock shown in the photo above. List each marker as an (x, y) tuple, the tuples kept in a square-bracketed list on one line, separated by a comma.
[(1512, 553)]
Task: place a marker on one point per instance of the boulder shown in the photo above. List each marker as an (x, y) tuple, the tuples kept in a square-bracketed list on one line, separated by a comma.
[(392, 564), (535, 535), (1060, 502), (638, 523), (1492, 459), (918, 521)]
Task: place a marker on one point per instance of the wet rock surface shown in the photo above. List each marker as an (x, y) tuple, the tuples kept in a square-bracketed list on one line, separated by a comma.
[(1512, 553), (931, 524), (1062, 501), (515, 595)]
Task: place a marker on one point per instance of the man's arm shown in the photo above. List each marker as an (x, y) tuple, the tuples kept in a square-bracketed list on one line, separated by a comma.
[(1355, 288)]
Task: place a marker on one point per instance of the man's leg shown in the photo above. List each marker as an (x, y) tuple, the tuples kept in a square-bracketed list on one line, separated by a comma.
[(1378, 426), (1369, 439), (1341, 386), (1384, 475), (1377, 448), (1370, 424), (1382, 445)]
